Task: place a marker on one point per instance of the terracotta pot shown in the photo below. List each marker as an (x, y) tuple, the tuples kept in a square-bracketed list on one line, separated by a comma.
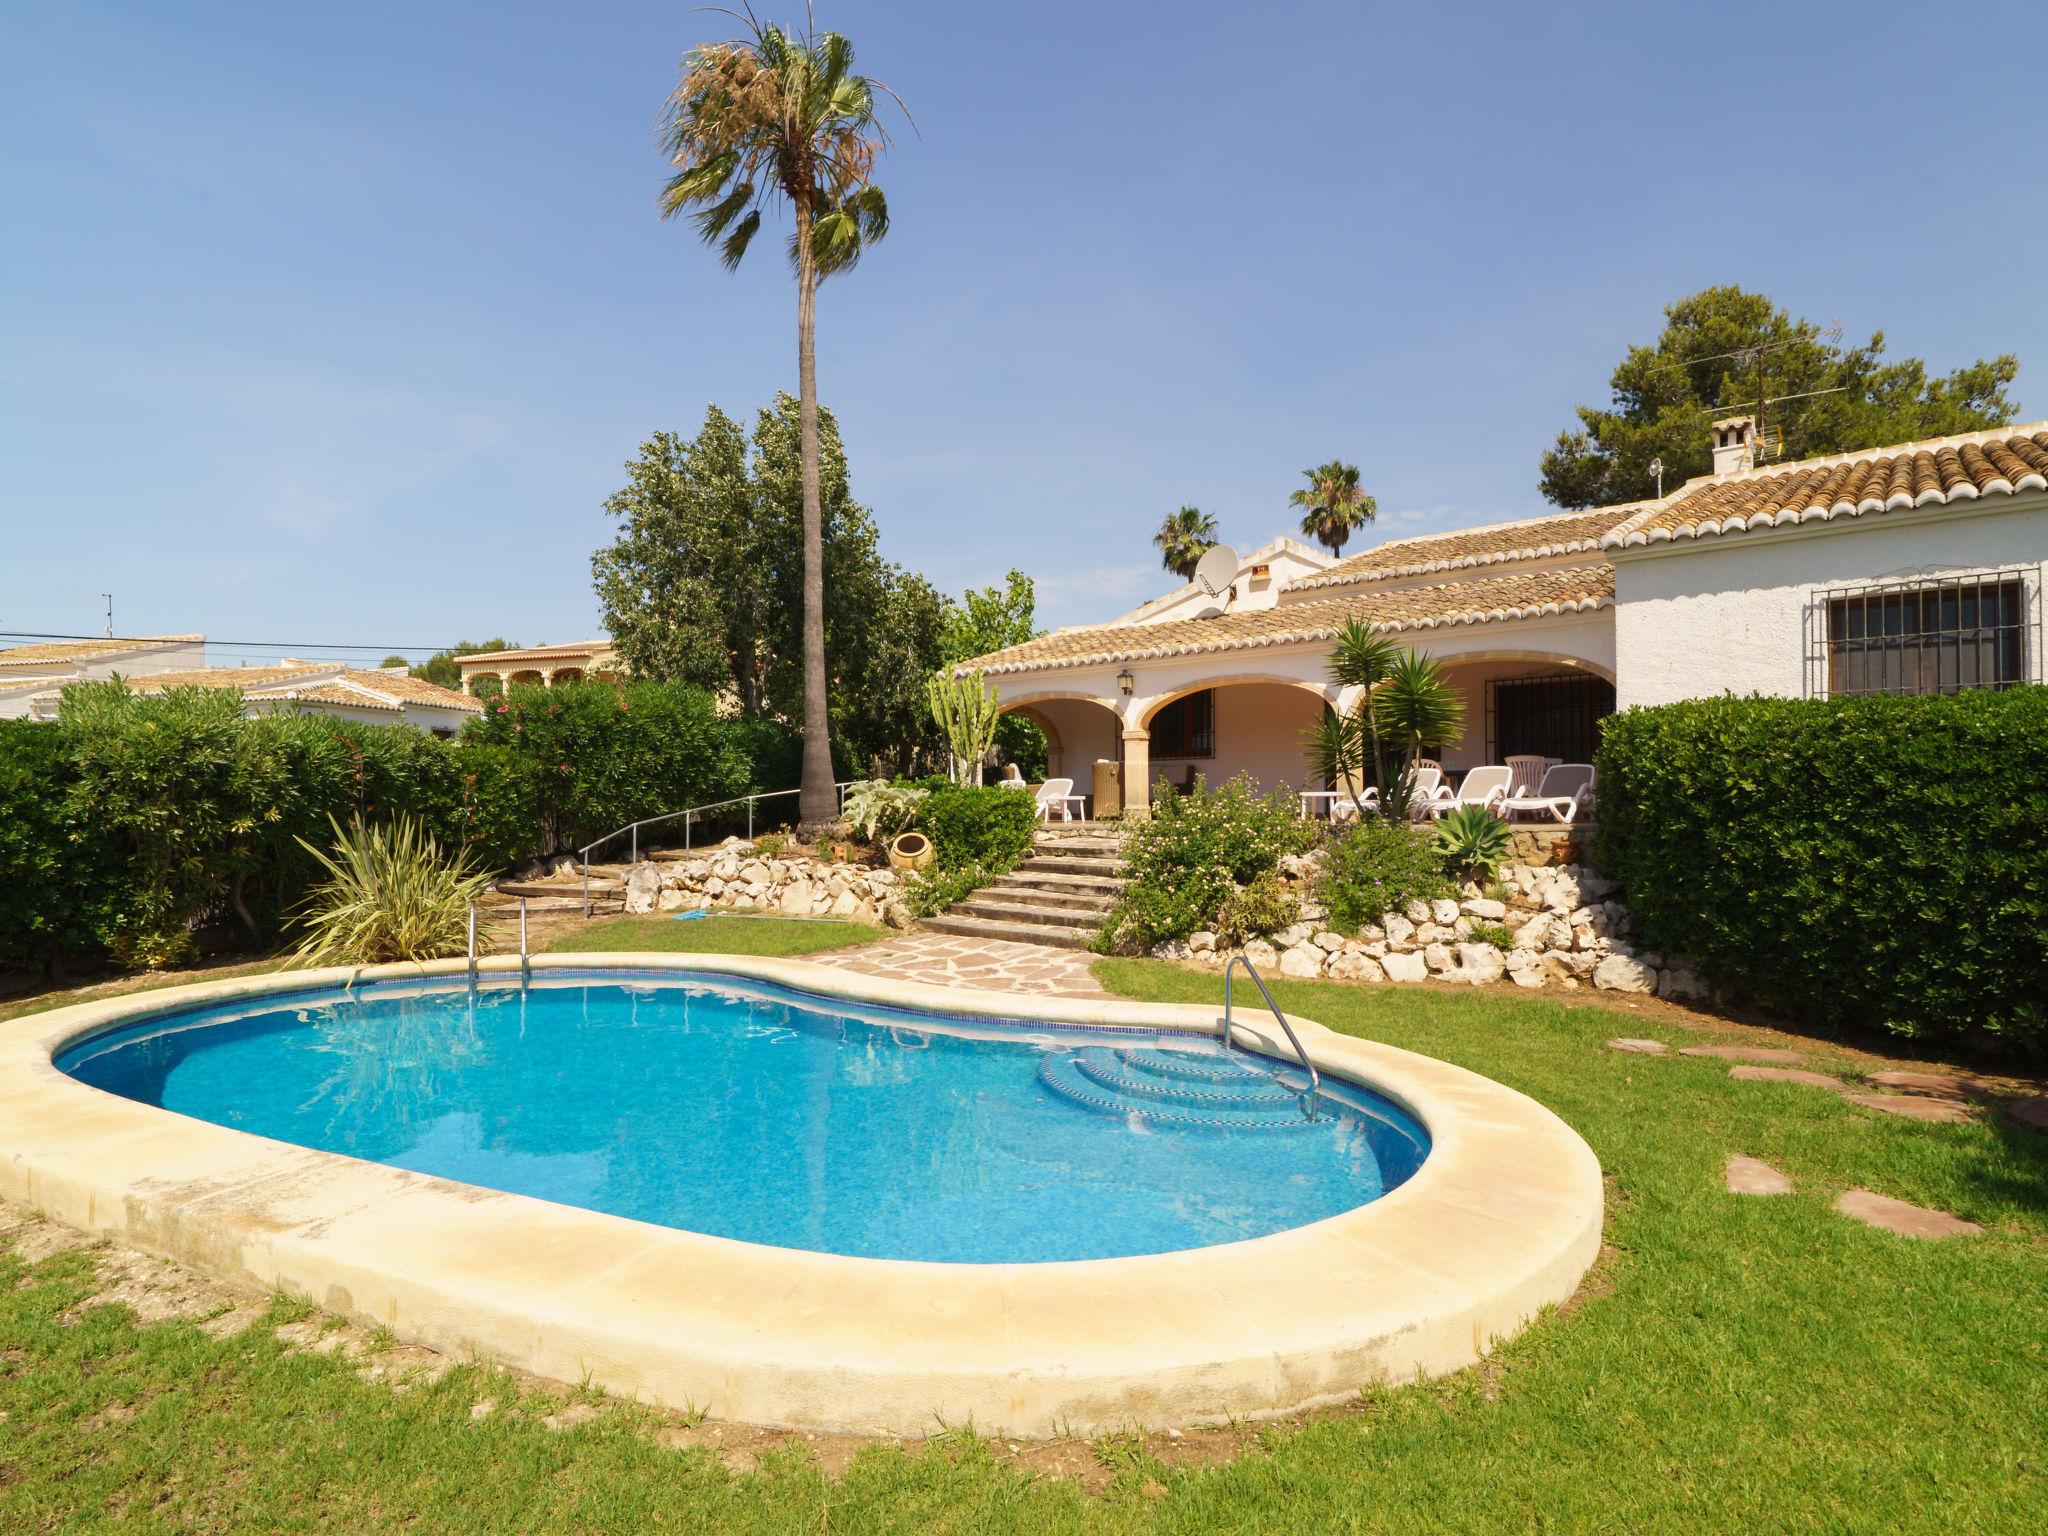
[(910, 850)]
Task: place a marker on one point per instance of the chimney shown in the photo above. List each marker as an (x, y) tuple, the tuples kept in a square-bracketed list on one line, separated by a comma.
[(1734, 445)]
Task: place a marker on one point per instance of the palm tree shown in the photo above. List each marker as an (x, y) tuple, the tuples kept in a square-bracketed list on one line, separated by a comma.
[(1334, 505), (1183, 538), (1406, 704), (780, 115)]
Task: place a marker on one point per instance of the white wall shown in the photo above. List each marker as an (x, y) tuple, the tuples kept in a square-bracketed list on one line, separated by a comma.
[(1081, 733), (1729, 613)]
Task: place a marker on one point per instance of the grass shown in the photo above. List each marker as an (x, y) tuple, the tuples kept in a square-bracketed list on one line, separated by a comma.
[(1735, 1364), (718, 935)]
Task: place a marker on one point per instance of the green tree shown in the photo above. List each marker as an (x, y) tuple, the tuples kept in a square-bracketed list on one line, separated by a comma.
[(1333, 504), (1183, 538), (1723, 349), (782, 115), (440, 667), (992, 618)]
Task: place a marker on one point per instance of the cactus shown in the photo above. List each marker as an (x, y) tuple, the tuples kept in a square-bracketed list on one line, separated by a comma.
[(966, 710)]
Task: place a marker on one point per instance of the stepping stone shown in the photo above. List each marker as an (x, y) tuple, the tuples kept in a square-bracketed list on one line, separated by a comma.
[(1932, 1085), (1748, 1176), (2030, 1114), (1909, 1108), (1889, 1215), (1638, 1047), (1788, 1075), (1745, 1053)]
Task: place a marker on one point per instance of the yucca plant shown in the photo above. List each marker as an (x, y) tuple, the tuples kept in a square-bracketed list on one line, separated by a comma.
[(1473, 840), (390, 893)]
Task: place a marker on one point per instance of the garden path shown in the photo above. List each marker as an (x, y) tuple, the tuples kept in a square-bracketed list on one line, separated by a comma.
[(950, 960)]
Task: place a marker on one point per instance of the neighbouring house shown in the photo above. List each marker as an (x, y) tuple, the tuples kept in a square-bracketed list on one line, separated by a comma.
[(33, 673), (1915, 568), (541, 665)]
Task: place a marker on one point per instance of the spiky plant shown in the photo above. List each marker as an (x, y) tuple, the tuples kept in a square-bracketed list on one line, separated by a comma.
[(780, 115), (390, 893), (1183, 538), (1333, 504), (1473, 841), (965, 710)]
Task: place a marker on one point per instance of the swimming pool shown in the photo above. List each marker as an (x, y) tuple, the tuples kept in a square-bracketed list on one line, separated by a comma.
[(873, 1094), (754, 1112)]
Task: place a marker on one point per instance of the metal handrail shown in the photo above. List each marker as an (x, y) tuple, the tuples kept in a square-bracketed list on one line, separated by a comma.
[(1315, 1079), (689, 815)]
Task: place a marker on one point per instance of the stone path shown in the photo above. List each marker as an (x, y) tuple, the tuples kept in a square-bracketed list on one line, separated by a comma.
[(1788, 1075), (950, 960), (1908, 1220), (1753, 1176), (1639, 1047)]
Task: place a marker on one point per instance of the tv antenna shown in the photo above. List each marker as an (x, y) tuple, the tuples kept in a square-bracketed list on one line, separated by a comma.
[(110, 613)]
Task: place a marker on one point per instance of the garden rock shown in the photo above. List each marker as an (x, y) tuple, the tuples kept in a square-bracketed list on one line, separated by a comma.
[(1443, 912), (1331, 942), (1681, 983), (1356, 967), (1302, 960), (1534, 931), (643, 885), (1933, 1085), (1480, 963), (796, 898), (1438, 958), (1618, 973), (1261, 954), (1909, 1107), (1404, 967), (1202, 943), (1481, 907), (1788, 1075), (1291, 935), (2030, 1114), (1398, 928), (1635, 1047), (672, 901), (1525, 968), (1416, 911)]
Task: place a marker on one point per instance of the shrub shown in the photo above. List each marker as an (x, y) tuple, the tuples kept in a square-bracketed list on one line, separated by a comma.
[(1878, 861), (1499, 935), (389, 893), (929, 892), (1473, 841), (1263, 906), (48, 864), (968, 825), (1375, 866), (604, 754), (1193, 855)]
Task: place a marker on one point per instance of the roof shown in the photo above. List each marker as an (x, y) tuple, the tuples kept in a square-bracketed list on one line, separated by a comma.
[(1939, 472), (1564, 533), (1533, 594), (45, 653), (329, 684), (533, 653), (1265, 554)]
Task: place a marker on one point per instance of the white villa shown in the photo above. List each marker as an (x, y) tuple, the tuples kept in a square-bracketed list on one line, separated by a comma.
[(541, 665), (33, 678), (1915, 568)]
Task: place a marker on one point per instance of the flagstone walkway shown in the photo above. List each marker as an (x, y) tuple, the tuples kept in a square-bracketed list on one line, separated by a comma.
[(996, 965)]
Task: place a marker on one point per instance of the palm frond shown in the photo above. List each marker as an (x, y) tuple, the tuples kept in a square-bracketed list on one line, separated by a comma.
[(734, 249)]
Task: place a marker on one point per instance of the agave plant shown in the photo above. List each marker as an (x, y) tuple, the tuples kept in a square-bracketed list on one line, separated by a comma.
[(1473, 840), (876, 808), (390, 893)]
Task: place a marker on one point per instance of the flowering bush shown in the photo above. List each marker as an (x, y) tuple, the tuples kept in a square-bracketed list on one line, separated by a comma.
[(1374, 867)]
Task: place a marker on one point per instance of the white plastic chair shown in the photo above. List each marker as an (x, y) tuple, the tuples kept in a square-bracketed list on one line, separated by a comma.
[(1060, 793), (1528, 770), (1482, 786), (1567, 789)]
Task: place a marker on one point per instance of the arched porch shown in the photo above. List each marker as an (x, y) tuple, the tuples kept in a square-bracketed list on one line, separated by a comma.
[(1527, 703)]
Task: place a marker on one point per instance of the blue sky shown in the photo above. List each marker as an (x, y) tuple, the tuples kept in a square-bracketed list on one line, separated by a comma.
[(335, 323)]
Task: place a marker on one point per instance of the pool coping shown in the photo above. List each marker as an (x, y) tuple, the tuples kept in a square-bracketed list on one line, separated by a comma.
[(1502, 1219)]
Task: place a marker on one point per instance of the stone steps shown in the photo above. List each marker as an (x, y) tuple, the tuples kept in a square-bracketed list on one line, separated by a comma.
[(1016, 933), (1067, 864), (1017, 912), (1038, 896)]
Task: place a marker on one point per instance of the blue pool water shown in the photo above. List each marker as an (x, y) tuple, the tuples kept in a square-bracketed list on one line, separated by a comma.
[(740, 1110)]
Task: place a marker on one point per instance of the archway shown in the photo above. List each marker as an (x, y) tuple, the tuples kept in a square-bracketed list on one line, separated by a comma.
[(1528, 703), (1251, 724), (1080, 729)]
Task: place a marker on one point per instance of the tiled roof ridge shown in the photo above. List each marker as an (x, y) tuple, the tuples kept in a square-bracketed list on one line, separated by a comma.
[(1350, 572), (1931, 472), (47, 651), (567, 648), (1536, 594)]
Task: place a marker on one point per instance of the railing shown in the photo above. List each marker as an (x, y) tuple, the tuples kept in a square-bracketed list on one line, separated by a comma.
[(1315, 1080), (689, 817), (525, 959)]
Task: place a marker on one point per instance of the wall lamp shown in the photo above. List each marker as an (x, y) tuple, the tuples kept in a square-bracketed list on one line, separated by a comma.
[(1125, 682)]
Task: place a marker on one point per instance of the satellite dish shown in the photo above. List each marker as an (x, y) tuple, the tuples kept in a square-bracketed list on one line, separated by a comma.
[(1217, 570)]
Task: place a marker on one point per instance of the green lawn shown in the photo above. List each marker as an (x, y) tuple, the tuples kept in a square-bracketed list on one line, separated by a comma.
[(1737, 1364), (729, 935)]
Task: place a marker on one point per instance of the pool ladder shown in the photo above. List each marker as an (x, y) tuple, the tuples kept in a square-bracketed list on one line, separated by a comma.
[(1315, 1081), (525, 958)]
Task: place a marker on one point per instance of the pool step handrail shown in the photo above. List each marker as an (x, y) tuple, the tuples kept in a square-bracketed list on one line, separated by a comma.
[(1315, 1079), (689, 815)]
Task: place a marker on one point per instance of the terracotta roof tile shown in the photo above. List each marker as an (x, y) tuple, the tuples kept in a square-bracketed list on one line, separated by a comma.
[(1940, 472), (44, 653), (1567, 533), (1573, 590), (534, 653), (352, 685)]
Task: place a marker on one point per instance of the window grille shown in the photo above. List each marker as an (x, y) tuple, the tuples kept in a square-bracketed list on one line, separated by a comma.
[(1925, 635), (1557, 715), (1186, 727)]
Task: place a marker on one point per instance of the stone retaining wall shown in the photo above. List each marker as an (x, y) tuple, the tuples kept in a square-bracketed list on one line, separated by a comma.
[(1567, 929), (736, 878)]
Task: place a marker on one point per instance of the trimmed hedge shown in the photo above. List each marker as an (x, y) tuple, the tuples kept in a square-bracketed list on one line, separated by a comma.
[(1876, 861), (136, 822), (978, 826)]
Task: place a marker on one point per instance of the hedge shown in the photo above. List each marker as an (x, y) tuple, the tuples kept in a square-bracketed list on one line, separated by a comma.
[(982, 826), (136, 822), (1873, 861)]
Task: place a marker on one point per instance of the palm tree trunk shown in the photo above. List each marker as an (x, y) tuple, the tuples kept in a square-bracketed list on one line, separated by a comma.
[(817, 806)]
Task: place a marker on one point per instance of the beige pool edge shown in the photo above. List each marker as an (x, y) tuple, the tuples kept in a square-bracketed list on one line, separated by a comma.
[(1502, 1220)]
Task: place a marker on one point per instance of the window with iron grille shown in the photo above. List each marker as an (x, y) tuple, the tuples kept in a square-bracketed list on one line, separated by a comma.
[(1186, 727), (1556, 716), (1926, 635)]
